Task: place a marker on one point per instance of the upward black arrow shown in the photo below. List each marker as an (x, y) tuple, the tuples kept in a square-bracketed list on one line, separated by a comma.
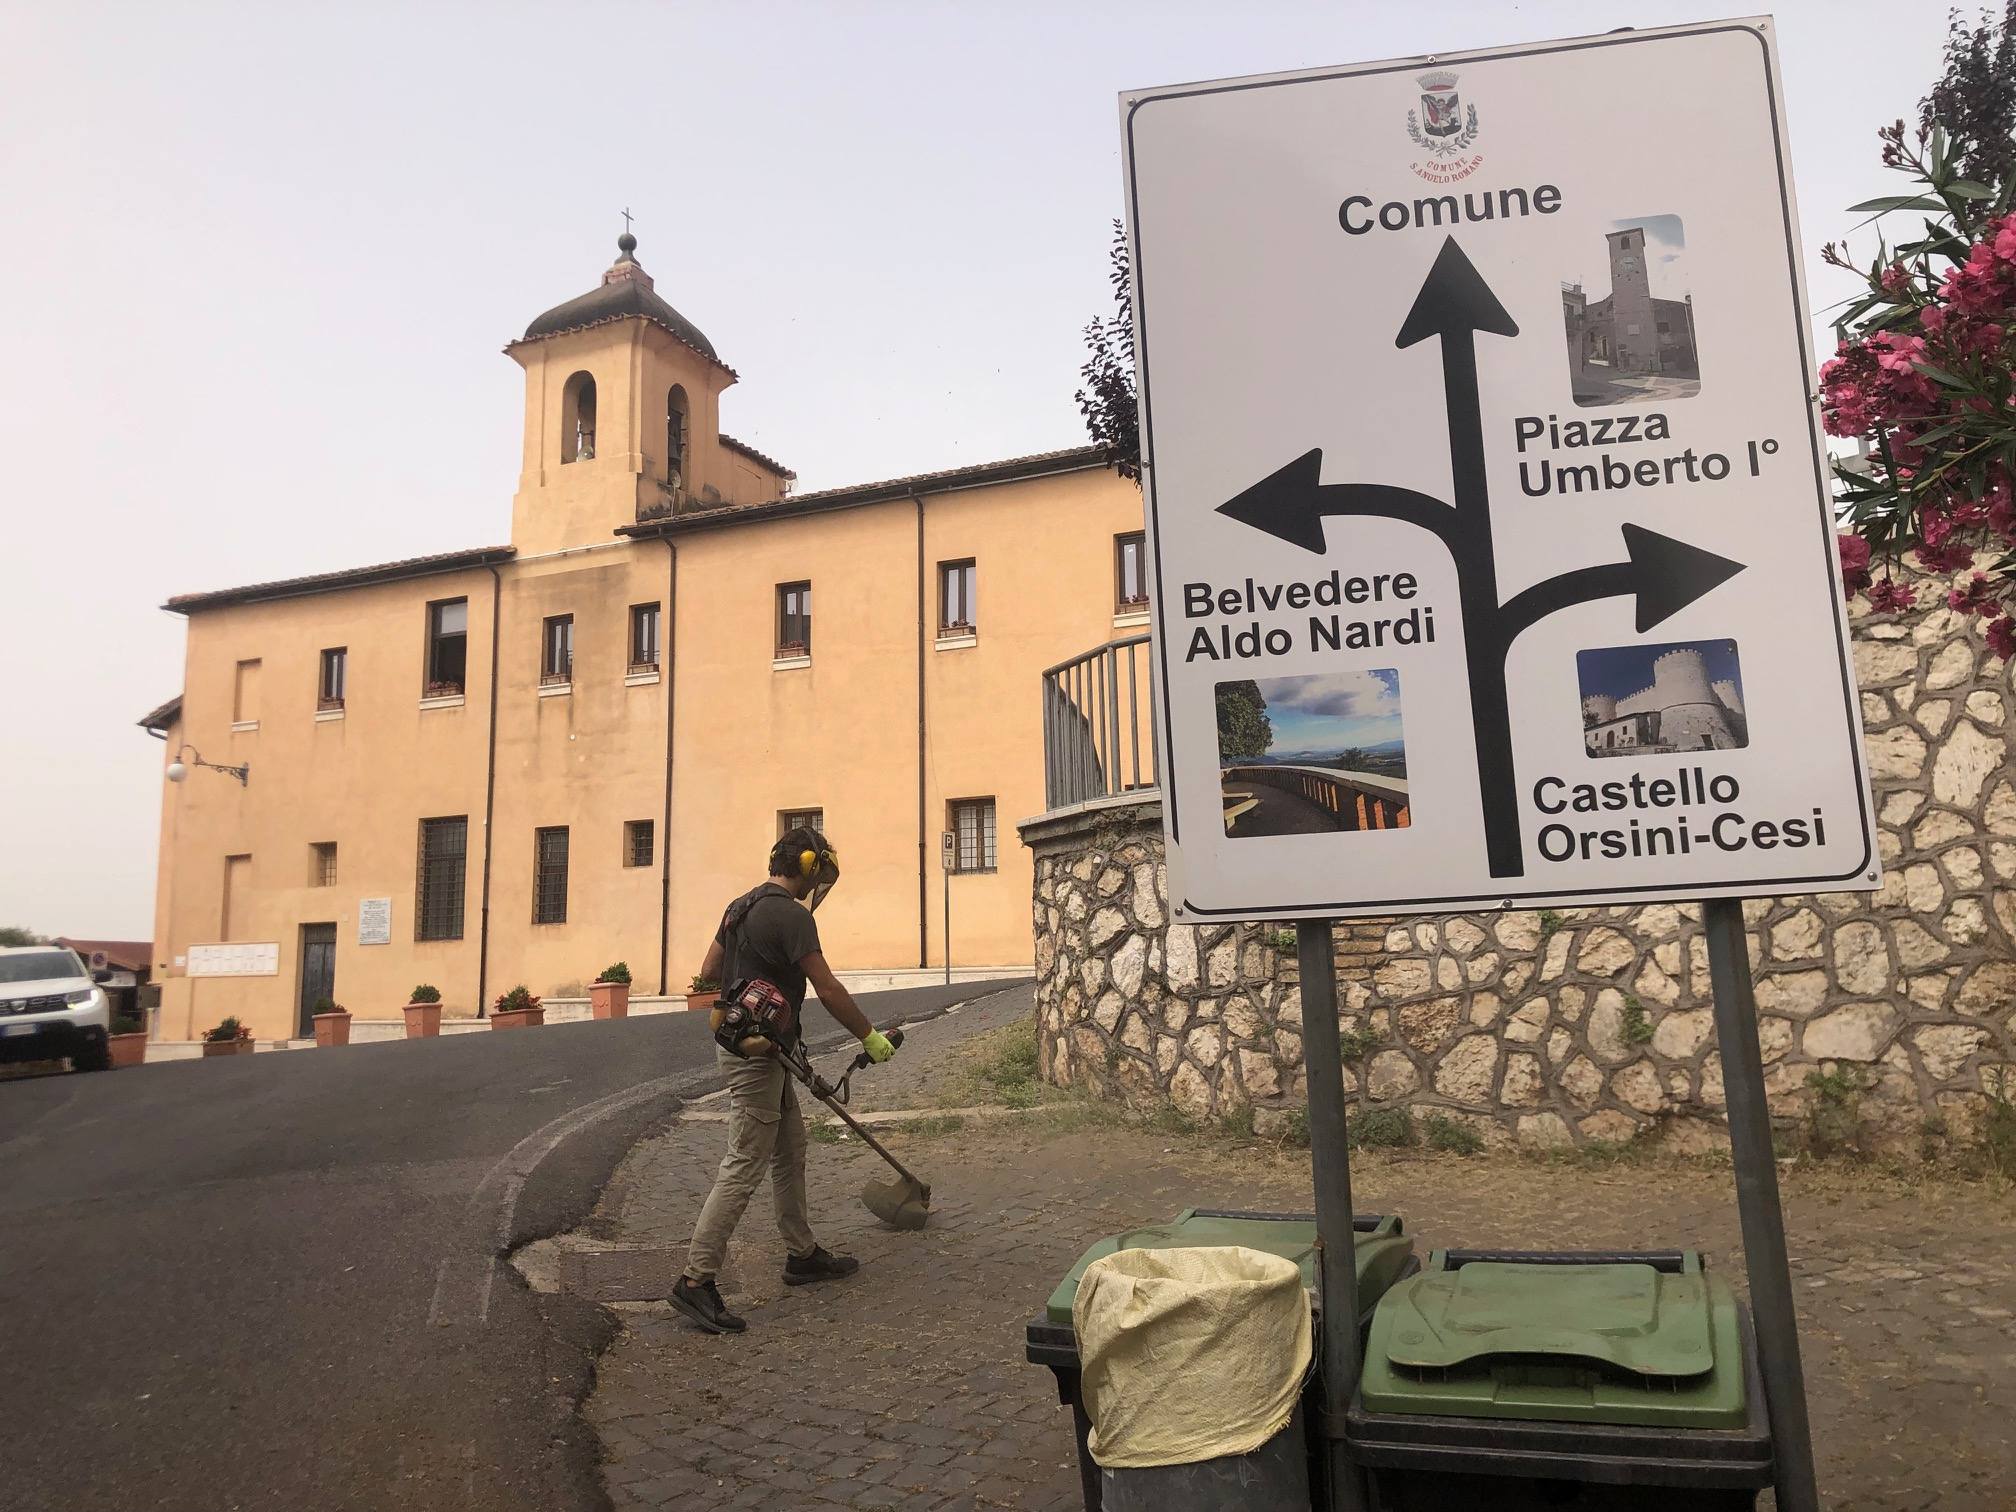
[(1662, 575)]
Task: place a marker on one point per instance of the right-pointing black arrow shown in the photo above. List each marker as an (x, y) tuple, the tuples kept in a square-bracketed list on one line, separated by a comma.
[(1663, 574)]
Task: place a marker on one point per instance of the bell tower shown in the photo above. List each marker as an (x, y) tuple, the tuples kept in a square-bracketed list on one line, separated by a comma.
[(622, 416)]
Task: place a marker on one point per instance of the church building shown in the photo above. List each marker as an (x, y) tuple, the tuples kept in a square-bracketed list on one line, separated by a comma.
[(522, 762)]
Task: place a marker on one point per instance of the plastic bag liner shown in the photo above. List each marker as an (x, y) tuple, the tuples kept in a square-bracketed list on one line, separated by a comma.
[(1189, 1354)]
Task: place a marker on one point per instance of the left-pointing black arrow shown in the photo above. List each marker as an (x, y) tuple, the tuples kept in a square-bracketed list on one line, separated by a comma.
[(1290, 503)]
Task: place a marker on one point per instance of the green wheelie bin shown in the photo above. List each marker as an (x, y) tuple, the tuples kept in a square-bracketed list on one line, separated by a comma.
[(1384, 1251), (1571, 1382)]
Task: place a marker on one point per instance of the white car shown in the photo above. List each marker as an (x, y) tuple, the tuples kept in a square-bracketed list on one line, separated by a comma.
[(51, 1006)]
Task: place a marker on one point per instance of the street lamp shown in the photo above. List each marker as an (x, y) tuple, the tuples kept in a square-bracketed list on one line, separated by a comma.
[(178, 769)]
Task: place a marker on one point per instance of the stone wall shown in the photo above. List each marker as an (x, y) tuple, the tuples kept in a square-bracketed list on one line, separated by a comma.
[(1562, 1027)]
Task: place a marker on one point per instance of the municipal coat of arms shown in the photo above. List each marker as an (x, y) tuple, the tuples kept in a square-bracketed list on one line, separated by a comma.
[(1443, 125)]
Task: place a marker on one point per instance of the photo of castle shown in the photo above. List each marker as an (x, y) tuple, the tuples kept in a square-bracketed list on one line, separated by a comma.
[(1635, 344), (1313, 755), (1658, 700)]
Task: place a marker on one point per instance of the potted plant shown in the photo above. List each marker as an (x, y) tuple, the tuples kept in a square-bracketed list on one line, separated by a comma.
[(228, 1038), (332, 1023), (517, 1009), (609, 993), (423, 1012), (701, 994), (129, 1037)]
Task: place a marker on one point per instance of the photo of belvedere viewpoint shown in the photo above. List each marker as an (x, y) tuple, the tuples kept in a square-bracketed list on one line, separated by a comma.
[(1312, 755)]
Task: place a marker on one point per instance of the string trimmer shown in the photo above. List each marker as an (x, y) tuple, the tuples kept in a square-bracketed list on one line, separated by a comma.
[(904, 1203)]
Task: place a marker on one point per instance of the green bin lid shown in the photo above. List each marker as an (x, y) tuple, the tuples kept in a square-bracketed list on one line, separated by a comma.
[(1382, 1251), (1625, 1343)]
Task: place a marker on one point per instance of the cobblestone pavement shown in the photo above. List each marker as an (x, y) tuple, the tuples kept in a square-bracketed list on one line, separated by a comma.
[(905, 1387)]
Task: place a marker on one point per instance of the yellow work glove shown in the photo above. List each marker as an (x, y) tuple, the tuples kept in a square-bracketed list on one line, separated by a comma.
[(878, 1047)]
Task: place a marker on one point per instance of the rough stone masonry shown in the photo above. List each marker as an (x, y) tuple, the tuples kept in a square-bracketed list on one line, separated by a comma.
[(1589, 1023)]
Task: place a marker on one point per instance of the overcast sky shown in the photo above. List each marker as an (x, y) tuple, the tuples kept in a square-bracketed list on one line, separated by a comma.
[(259, 260)]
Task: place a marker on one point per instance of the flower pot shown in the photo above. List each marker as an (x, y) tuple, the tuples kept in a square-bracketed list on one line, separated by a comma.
[(128, 1049), (332, 1029), (423, 1020), (517, 1018), (214, 1048), (607, 1000), (700, 1002)]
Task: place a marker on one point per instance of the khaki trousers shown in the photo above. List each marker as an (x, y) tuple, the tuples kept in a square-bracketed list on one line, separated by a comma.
[(765, 1131)]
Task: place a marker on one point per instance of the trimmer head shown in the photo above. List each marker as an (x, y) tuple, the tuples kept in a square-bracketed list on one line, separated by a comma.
[(904, 1203)]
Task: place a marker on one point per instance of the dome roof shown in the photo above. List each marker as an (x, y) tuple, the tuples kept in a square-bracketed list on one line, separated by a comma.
[(626, 290)]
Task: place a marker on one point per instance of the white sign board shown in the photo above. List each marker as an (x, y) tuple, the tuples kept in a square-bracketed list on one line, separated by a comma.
[(234, 960), (374, 921), (1488, 505)]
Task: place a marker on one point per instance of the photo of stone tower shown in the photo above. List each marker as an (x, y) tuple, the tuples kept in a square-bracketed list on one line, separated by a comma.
[(1635, 344), (1692, 699)]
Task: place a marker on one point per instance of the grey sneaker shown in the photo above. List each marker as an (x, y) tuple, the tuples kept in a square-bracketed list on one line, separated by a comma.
[(700, 1301)]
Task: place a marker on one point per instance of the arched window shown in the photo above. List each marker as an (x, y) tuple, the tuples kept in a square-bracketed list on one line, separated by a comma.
[(577, 419), (675, 435)]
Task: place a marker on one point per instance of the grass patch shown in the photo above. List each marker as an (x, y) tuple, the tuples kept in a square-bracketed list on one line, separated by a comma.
[(1998, 1131), (1550, 924), (1382, 1129), (825, 1133), (933, 1124), (1637, 1028), (1441, 1132), (1834, 1117), (1356, 1044), (999, 1071)]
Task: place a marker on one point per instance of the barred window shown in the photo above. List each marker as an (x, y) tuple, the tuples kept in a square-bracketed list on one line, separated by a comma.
[(639, 847), (549, 875), (444, 858), (973, 835), (322, 873), (790, 819)]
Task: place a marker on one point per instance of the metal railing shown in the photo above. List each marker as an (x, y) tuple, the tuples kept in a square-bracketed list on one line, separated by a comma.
[(1098, 724), (1354, 800)]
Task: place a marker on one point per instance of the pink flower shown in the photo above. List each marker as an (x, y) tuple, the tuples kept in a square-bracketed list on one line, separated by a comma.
[(1934, 525), (1891, 597), (1949, 557), (1854, 563), (1976, 597), (2002, 637), (1932, 320), (1894, 280)]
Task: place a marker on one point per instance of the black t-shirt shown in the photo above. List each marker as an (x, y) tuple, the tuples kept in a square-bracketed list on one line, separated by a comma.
[(776, 934)]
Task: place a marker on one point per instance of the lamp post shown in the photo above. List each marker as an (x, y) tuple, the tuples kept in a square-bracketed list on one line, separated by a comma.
[(179, 769)]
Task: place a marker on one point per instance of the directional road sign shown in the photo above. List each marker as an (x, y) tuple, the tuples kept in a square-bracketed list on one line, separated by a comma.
[(1487, 501)]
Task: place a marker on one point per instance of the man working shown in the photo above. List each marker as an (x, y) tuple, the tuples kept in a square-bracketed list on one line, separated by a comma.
[(768, 939)]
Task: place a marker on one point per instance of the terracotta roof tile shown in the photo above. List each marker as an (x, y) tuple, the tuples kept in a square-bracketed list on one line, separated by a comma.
[(162, 717), (749, 451), (349, 577), (129, 955)]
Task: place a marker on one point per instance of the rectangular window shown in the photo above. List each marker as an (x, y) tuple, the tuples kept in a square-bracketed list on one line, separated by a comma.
[(556, 651), (444, 856), (322, 864), (231, 908), (1130, 573), (794, 619), (447, 652), (549, 875), (643, 637), (639, 842), (956, 614), (790, 819), (245, 694), (973, 835), (335, 674)]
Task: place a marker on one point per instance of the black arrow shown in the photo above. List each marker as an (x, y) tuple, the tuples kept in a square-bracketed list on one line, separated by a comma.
[(1290, 503), (1663, 574)]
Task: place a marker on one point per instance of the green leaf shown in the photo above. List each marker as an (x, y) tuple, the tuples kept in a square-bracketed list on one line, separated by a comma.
[(1940, 375), (1889, 202), (1971, 189)]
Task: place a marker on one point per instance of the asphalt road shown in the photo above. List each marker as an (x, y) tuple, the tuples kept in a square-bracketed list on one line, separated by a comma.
[(272, 1282)]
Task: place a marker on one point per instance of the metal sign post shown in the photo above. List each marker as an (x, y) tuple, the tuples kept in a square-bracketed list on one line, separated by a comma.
[(1764, 1257), (945, 847), (1337, 1245)]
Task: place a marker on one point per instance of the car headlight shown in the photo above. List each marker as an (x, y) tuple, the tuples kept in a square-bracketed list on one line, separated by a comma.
[(88, 995)]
